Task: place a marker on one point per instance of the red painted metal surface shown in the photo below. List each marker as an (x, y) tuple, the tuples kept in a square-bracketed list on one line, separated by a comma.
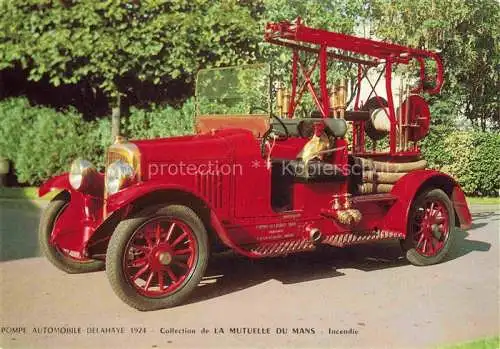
[(461, 208), (252, 211), (60, 182), (78, 221), (408, 187), (419, 117)]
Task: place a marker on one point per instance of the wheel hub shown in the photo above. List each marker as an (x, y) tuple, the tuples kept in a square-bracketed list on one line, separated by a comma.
[(165, 258), (432, 229), (435, 231)]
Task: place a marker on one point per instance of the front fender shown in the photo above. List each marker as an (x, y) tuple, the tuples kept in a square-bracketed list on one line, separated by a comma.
[(60, 182), (123, 199), (77, 223), (410, 185)]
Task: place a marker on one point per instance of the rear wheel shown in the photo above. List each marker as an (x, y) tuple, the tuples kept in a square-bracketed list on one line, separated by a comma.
[(157, 258), (430, 228), (66, 260)]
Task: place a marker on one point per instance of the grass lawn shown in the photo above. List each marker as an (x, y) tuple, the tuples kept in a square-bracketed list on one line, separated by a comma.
[(29, 193), (484, 201), (485, 343)]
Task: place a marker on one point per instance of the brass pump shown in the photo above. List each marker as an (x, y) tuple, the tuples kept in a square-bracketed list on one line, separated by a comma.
[(343, 213), (338, 98), (282, 100), (314, 147)]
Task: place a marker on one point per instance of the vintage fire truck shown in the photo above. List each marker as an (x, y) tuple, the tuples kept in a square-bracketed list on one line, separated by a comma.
[(304, 163)]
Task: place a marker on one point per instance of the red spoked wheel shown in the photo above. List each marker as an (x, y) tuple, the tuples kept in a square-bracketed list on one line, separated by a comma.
[(430, 223), (160, 256), (157, 258), (431, 228)]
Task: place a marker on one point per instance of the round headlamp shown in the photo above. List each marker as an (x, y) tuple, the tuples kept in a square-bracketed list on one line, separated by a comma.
[(118, 175), (80, 172)]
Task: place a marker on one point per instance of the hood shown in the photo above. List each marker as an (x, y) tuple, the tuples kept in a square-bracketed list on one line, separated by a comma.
[(218, 145)]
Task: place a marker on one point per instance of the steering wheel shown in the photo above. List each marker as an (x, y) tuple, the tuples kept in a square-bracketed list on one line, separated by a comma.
[(269, 134), (253, 108)]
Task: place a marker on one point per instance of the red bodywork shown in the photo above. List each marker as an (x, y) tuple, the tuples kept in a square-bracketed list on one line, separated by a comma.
[(236, 205)]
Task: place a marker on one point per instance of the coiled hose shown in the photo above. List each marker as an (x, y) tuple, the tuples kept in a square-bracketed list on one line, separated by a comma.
[(380, 176)]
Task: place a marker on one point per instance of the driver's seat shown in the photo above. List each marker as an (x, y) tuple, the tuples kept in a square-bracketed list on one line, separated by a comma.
[(304, 127), (335, 127)]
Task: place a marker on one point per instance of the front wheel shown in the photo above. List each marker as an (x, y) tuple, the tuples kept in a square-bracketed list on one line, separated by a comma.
[(63, 259), (430, 228), (157, 258)]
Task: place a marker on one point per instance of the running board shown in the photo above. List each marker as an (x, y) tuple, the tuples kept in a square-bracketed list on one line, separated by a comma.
[(354, 238), (389, 198), (272, 249)]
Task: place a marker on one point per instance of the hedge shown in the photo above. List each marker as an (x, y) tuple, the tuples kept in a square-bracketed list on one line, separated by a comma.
[(42, 142), (471, 157)]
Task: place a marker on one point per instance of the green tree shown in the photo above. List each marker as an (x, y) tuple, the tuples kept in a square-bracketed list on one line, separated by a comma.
[(112, 43), (467, 33), (334, 15)]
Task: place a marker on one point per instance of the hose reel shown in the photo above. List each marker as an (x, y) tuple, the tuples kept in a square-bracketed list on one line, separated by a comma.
[(416, 119)]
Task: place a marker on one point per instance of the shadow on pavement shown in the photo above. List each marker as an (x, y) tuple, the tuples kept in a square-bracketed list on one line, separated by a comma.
[(228, 273), (478, 219), (18, 229), (464, 245)]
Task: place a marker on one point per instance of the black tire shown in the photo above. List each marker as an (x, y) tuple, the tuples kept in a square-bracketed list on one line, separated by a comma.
[(409, 245), (51, 252), (119, 245)]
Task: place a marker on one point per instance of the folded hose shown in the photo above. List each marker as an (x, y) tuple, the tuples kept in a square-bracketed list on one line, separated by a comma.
[(369, 188), (380, 177), (392, 166)]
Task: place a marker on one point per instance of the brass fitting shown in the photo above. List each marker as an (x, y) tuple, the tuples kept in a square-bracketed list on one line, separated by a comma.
[(344, 217), (336, 202), (282, 100), (355, 215), (347, 201)]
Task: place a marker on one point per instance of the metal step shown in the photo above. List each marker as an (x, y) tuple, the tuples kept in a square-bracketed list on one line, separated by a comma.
[(374, 198), (342, 240), (271, 249)]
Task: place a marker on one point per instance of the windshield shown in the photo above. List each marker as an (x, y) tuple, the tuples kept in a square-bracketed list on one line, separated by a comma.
[(242, 90)]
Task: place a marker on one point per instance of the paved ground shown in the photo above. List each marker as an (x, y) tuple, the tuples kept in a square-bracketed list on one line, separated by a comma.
[(368, 290)]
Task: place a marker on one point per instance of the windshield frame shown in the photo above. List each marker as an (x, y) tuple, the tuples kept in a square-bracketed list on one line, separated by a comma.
[(267, 110)]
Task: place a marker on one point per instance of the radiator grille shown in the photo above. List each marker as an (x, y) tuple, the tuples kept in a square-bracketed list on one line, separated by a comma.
[(114, 156)]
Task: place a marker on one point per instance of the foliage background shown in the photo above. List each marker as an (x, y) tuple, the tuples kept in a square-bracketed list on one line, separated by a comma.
[(64, 64)]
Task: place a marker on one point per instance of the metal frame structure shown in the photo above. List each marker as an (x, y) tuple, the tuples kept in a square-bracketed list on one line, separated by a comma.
[(366, 54)]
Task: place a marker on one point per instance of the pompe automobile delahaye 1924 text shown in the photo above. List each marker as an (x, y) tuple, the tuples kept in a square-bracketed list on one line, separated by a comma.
[(332, 169)]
